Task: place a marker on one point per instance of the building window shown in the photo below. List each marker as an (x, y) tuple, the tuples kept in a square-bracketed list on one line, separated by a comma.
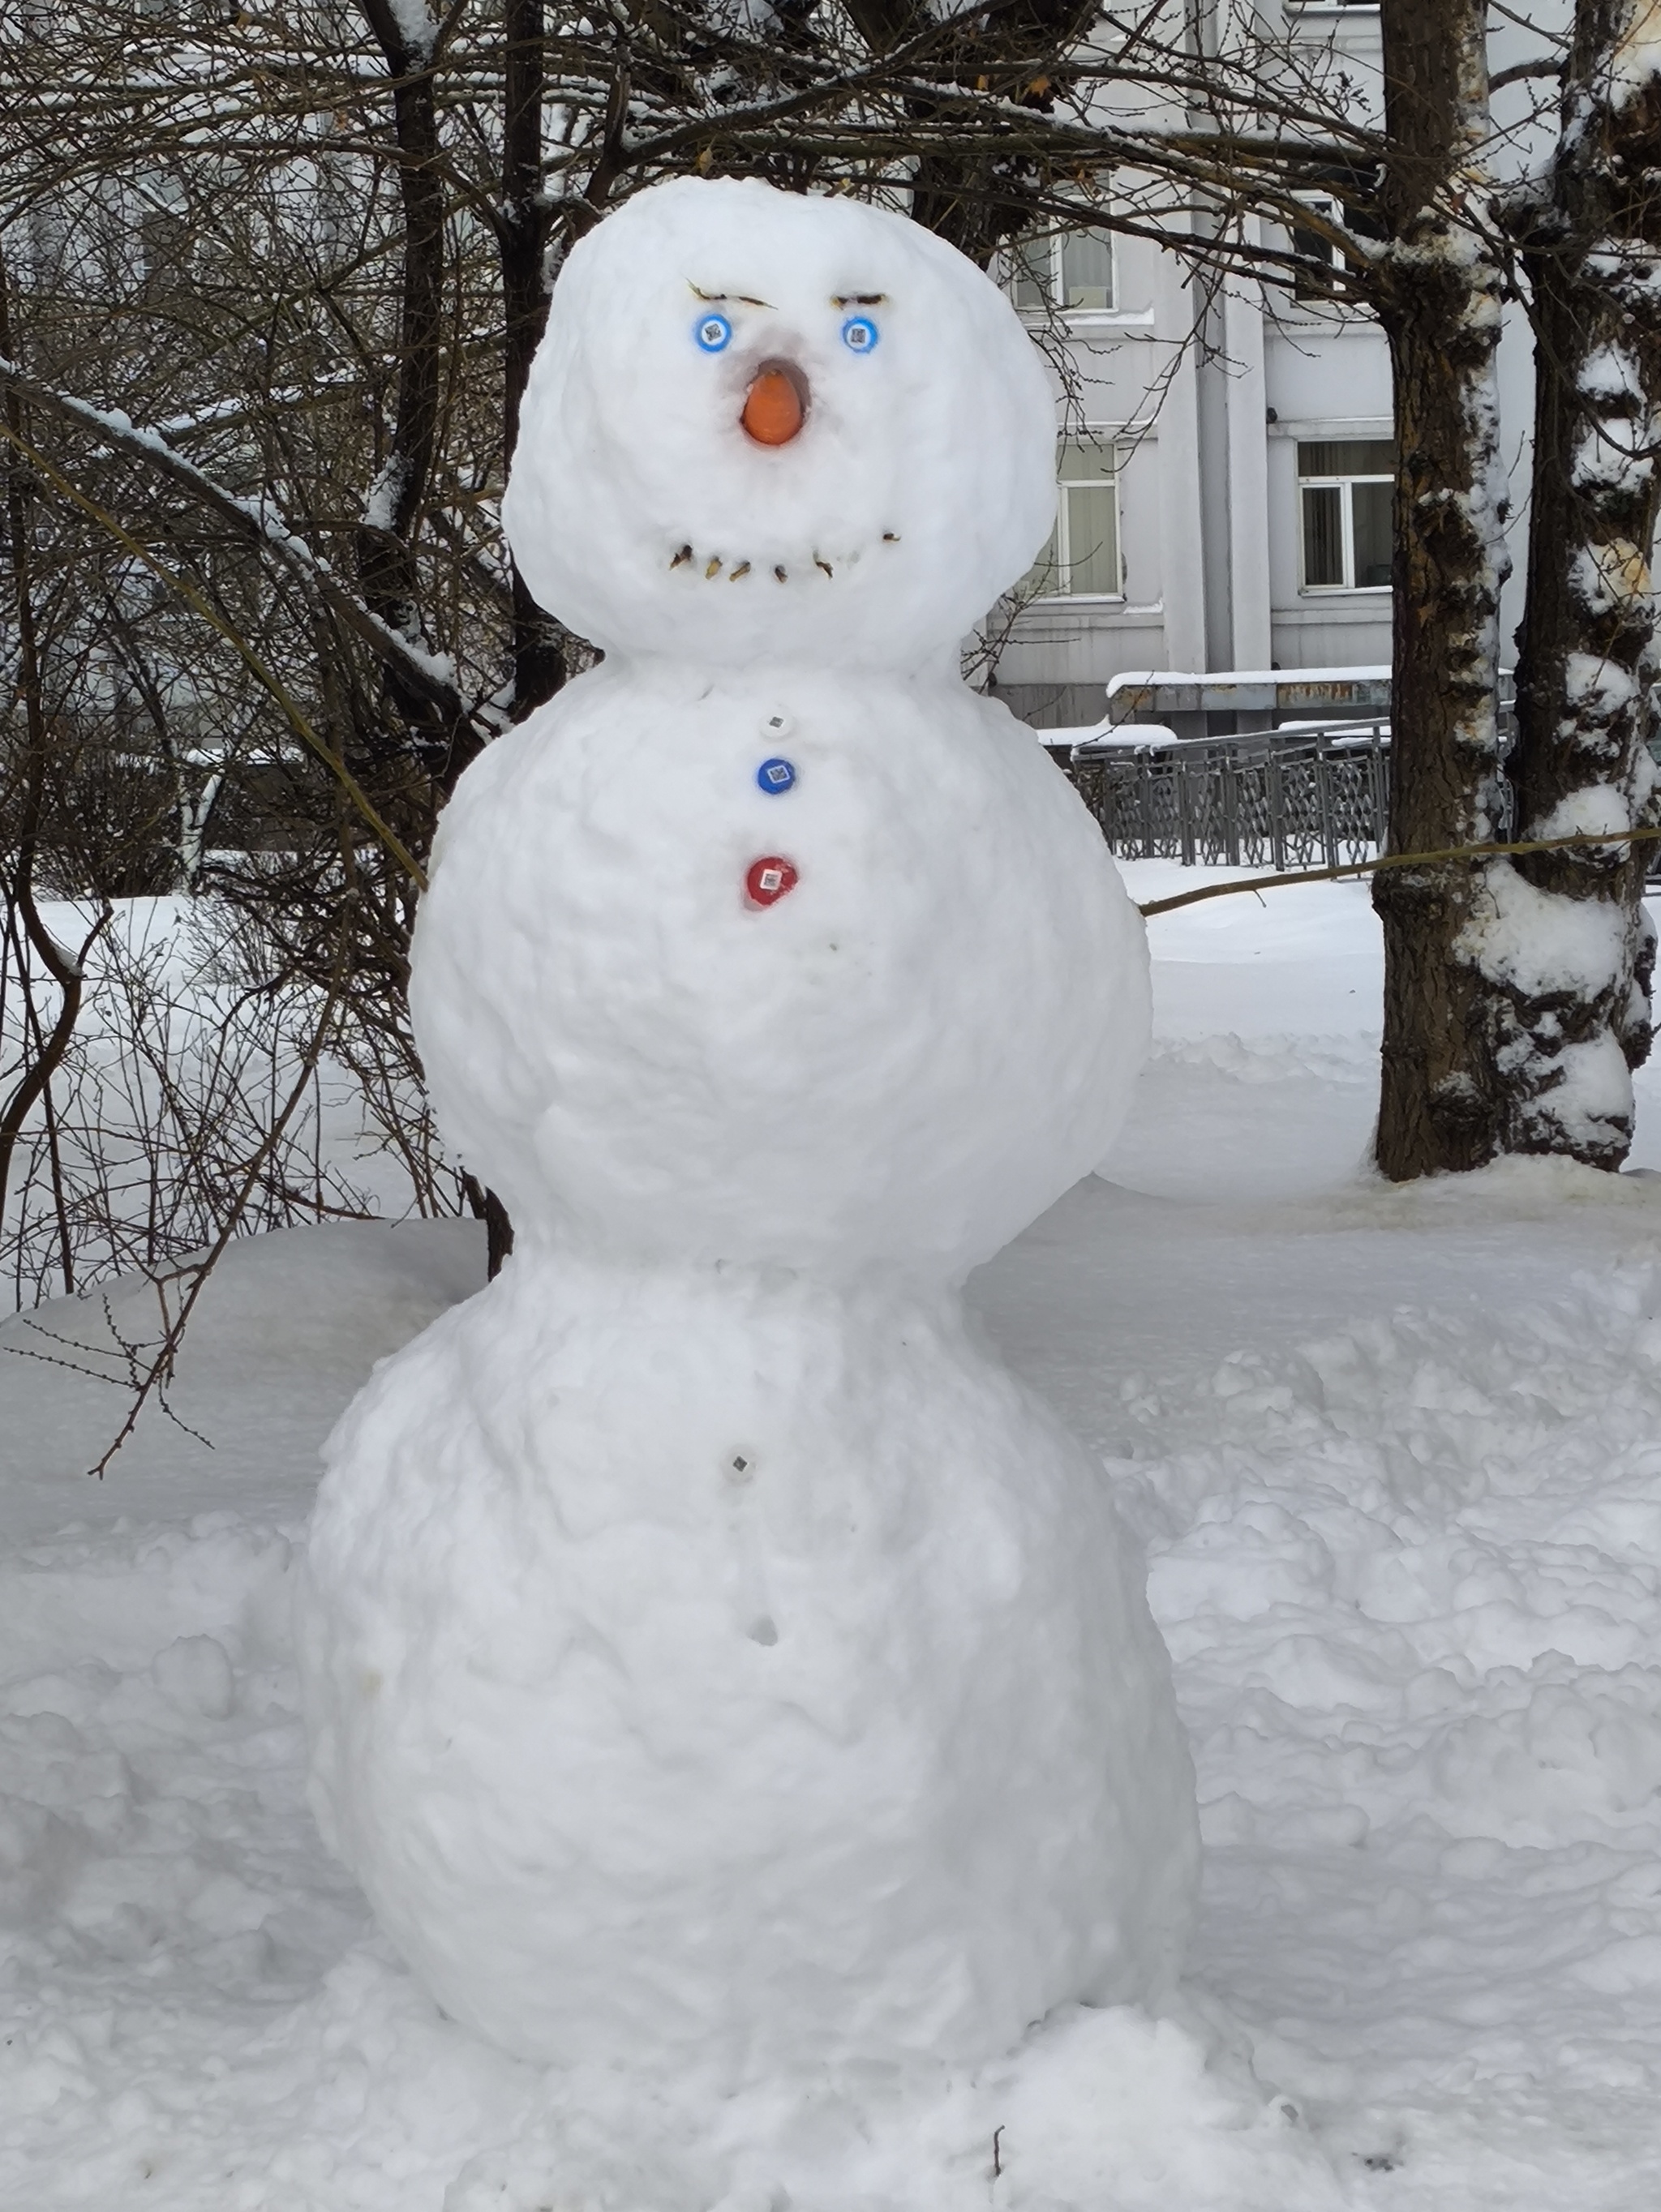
[(1345, 492), (1072, 269), (1082, 556), (1321, 270)]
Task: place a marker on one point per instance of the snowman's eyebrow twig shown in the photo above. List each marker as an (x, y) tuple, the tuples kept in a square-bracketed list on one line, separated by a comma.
[(716, 299), (858, 299)]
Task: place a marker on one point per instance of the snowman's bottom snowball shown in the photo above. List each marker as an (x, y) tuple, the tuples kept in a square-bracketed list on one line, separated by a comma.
[(712, 1672)]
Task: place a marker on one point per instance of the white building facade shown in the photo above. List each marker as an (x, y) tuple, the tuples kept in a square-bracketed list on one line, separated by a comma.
[(1224, 499)]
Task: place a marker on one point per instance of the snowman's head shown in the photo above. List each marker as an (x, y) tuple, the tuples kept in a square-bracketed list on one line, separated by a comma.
[(761, 426)]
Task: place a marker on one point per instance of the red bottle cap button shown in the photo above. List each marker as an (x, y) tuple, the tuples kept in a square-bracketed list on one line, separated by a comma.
[(767, 880)]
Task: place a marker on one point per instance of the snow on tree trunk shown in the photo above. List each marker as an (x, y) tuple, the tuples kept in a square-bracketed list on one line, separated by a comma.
[(388, 567), (1438, 299), (1568, 941)]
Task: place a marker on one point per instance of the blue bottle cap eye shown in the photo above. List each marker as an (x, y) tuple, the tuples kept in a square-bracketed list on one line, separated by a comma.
[(775, 774), (859, 334), (713, 332)]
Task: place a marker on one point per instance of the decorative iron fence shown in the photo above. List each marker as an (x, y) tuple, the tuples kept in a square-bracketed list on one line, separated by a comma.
[(1271, 799)]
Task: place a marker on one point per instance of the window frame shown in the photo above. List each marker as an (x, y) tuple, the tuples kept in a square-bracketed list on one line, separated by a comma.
[(1345, 486), (1051, 284), (1331, 280), (1058, 566)]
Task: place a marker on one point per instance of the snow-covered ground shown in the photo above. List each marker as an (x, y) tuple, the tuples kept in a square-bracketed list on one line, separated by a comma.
[(1397, 1456)]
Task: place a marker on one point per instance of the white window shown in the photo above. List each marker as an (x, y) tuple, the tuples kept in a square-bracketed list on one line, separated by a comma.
[(1345, 492), (1082, 556), (1066, 269), (1323, 272)]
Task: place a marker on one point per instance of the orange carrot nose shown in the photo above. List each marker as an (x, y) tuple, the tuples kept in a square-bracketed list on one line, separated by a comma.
[(775, 405)]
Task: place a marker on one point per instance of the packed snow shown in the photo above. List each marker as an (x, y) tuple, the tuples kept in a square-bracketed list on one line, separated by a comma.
[(927, 460), (1396, 1454), (719, 1670), (1636, 61), (648, 1066)]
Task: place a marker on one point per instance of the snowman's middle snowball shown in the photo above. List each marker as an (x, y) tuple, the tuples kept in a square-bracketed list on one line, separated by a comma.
[(901, 1063)]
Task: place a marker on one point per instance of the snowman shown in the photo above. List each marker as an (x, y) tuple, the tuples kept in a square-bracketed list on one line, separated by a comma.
[(717, 1665)]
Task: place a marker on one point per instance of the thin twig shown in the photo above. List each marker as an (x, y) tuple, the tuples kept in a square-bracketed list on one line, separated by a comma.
[(239, 645), (247, 517), (153, 1383)]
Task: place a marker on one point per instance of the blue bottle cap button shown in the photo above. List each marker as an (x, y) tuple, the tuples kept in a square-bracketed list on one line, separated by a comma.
[(777, 774)]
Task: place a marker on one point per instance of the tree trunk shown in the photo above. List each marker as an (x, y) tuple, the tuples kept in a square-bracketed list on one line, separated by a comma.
[(43, 1049), (484, 1206), (386, 548), (538, 647), (1438, 288), (1576, 959)]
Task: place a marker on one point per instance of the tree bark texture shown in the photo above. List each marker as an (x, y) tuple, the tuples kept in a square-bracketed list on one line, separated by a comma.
[(1438, 292), (538, 644), (44, 1049), (1576, 959), (387, 566)]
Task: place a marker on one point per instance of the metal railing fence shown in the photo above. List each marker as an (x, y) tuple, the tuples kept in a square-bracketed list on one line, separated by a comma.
[(1305, 798), (1273, 799)]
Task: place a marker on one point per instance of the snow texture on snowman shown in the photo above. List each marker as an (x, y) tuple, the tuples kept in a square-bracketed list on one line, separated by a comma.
[(716, 1662)]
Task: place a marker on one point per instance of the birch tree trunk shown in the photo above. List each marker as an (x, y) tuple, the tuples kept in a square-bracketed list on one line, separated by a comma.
[(1570, 943), (1437, 295)]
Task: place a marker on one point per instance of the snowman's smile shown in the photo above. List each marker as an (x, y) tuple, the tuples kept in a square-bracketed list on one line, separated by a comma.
[(714, 565)]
